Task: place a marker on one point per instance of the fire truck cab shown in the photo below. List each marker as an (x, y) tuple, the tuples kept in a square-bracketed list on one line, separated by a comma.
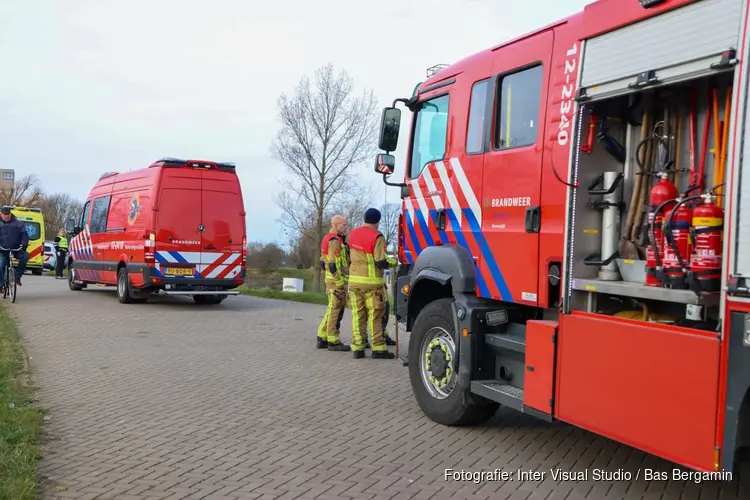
[(574, 229)]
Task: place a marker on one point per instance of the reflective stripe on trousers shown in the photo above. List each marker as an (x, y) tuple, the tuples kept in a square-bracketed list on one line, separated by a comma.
[(368, 306), (329, 326)]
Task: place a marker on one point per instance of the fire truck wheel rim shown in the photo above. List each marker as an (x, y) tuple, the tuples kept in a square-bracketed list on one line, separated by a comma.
[(437, 363)]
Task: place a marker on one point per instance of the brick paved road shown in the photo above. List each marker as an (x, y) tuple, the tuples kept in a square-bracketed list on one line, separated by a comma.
[(167, 400)]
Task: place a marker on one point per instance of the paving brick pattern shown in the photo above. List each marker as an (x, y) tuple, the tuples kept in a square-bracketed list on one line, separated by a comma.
[(168, 400)]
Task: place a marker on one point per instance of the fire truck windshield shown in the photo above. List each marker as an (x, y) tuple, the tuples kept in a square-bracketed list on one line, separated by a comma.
[(430, 133)]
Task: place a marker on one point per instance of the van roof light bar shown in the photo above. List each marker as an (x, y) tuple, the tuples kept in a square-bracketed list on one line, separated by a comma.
[(177, 162)]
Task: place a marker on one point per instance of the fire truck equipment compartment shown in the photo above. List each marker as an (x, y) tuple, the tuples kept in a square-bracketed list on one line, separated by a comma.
[(650, 386)]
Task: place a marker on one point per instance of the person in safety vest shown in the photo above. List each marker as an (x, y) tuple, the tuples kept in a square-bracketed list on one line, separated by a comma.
[(333, 255), (366, 286), (61, 250)]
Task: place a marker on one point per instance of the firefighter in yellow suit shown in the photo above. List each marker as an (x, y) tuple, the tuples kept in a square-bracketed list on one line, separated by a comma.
[(366, 286), (333, 256)]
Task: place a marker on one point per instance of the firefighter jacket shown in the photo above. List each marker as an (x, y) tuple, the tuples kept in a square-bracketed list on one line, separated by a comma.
[(368, 258), (334, 256)]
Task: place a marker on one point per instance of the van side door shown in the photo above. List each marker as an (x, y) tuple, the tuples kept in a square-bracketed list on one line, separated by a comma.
[(78, 245), (513, 167)]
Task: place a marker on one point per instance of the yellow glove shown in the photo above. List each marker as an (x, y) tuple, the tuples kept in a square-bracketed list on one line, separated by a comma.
[(391, 262)]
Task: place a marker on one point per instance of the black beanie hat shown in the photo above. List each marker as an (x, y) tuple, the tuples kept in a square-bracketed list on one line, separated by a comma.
[(372, 216)]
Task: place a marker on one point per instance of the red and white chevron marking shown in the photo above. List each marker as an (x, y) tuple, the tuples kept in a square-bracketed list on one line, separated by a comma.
[(221, 265), (81, 246), (435, 179), (213, 265)]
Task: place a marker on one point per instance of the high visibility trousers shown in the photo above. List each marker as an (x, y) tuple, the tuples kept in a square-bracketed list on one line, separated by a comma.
[(368, 307), (329, 326)]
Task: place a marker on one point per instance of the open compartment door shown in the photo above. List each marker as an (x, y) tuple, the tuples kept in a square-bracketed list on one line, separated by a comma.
[(683, 44)]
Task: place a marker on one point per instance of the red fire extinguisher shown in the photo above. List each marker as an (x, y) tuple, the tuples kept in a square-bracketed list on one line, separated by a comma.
[(678, 245), (708, 233), (661, 199)]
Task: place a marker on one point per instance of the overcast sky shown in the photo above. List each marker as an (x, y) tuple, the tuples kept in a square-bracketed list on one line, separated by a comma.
[(88, 86)]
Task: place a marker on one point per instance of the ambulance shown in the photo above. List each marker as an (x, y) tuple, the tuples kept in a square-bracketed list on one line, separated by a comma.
[(33, 219)]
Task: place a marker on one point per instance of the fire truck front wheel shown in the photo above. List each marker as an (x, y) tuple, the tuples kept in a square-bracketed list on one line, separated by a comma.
[(433, 370)]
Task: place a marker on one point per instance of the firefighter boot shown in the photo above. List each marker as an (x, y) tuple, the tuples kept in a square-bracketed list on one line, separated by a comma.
[(388, 341), (382, 355), (322, 343), (359, 354), (338, 346)]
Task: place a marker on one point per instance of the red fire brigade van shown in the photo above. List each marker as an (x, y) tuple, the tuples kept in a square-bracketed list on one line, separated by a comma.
[(175, 228)]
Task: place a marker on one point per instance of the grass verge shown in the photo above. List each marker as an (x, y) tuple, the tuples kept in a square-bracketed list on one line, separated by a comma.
[(20, 423), (307, 297)]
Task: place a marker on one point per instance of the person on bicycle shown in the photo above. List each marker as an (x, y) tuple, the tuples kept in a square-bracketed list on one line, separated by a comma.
[(12, 235)]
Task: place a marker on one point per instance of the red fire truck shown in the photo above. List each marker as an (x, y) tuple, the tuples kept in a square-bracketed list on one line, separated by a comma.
[(574, 235)]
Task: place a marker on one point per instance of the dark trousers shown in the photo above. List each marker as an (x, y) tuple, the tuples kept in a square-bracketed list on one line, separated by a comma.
[(62, 257), (22, 257)]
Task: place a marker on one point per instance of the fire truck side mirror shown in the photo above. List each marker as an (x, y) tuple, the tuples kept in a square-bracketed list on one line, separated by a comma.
[(385, 164), (389, 128)]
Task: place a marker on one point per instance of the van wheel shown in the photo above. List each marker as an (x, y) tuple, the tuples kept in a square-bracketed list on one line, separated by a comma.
[(123, 286), (72, 284), (433, 370), (36, 272), (208, 299)]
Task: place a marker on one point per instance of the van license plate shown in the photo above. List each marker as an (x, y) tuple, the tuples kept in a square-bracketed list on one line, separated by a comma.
[(178, 271)]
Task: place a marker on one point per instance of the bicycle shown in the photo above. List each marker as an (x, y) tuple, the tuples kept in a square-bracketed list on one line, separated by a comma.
[(10, 275)]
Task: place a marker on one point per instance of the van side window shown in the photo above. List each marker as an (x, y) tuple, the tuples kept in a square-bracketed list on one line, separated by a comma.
[(475, 129), (99, 215), (517, 115), (85, 214), (430, 134)]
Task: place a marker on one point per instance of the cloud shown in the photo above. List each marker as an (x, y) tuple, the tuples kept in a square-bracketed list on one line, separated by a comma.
[(90, 86)]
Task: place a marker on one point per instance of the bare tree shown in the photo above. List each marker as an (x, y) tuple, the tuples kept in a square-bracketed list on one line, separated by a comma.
[(353, 206), (57, 208), (25, 192), (304, 253), (389, 224), (264, 256), (325, 130), (305, 246)]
